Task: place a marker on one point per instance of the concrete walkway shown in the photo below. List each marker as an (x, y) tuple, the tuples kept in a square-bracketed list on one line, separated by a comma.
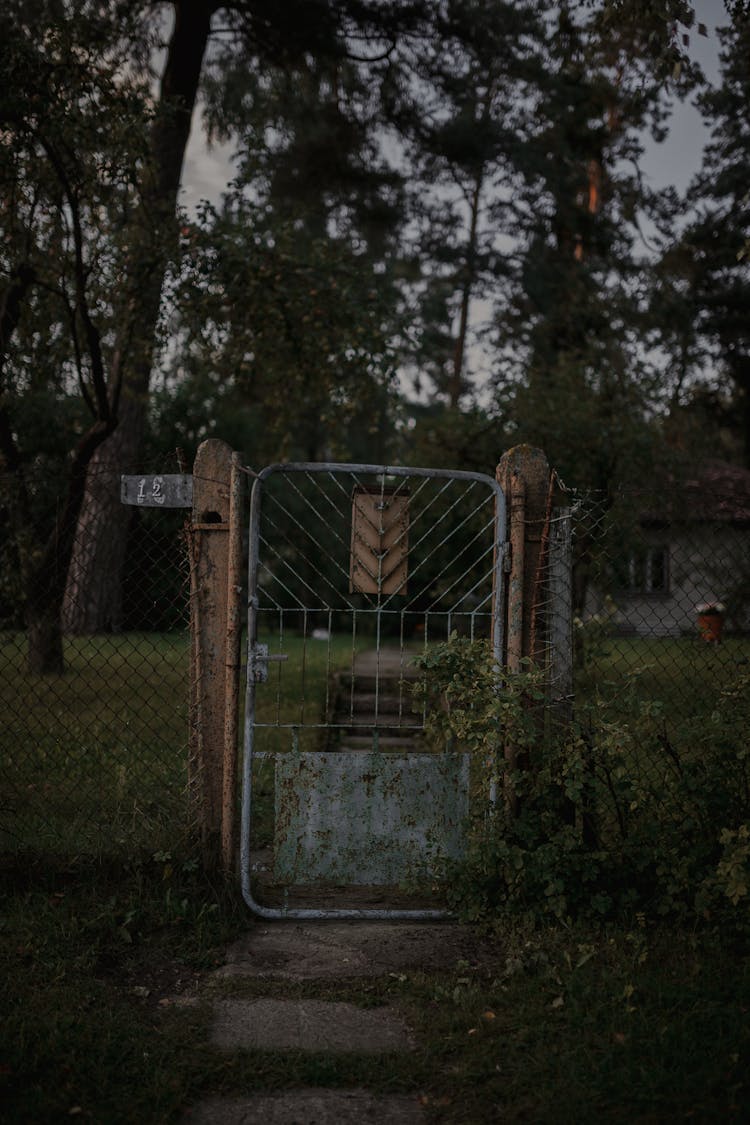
[(309, 1107), (328, 951), (325, 951)]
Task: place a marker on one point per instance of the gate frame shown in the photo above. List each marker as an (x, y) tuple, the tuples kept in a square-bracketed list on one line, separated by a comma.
[(500, 545)]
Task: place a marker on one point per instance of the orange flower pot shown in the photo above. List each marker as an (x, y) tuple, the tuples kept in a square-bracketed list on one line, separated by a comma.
[(710, 626)]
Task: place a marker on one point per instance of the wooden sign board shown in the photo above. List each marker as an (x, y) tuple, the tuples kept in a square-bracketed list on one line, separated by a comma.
[(171, 490), (380, 541)]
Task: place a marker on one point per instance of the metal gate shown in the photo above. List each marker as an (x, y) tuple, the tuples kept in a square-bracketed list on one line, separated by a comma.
[(354, 570)]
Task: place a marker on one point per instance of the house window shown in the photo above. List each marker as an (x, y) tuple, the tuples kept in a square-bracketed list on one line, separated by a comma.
[(646, 571)]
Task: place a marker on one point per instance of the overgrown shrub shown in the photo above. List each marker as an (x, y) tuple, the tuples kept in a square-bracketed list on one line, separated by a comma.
[(609, 815)]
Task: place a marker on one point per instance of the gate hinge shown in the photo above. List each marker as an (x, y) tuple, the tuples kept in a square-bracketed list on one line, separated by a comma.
[(258, 662)]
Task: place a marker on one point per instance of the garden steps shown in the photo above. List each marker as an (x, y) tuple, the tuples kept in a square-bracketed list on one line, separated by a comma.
[(376, 693)]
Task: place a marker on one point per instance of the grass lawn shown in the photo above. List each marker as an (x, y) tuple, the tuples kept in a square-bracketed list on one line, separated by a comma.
[(95, 759), (296, 695), (684, 674)]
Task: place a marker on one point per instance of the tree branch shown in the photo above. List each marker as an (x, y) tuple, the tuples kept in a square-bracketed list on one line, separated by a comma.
[(91, 332)]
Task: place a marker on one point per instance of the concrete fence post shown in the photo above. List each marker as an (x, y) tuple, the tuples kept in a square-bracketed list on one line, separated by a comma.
[(232, 669), (214, 635), (524, 475), (560, 615), (527, 467)]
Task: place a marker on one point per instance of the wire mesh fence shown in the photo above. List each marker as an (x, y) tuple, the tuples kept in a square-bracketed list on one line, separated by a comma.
[(94, 664), (650, 592), (660, 594)]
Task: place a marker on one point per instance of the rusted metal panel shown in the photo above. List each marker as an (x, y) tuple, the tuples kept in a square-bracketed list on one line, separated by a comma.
[(380, 541), (368, 819)]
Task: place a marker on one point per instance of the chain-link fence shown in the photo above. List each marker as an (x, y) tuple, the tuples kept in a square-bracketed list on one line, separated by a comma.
[(642, 610), (94, 665), (645, 589), (95, 661), (661, 593)]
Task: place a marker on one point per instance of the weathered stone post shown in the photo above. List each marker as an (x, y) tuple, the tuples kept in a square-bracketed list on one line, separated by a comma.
[(524, 470), (210, 614), (523, 473), (560, 615)]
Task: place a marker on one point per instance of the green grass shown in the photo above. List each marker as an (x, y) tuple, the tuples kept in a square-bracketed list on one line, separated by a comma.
[(95, 758), (684, 674), (297, 694)]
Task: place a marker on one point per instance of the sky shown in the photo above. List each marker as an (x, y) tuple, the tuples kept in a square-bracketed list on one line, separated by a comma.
[(208, 169), (678, 158)]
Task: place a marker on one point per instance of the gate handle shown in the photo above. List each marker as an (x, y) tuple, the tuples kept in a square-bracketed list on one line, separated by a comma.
[(259, 658)]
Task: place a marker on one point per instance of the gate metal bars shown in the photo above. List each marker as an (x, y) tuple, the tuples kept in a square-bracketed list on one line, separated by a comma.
[(352, 570)]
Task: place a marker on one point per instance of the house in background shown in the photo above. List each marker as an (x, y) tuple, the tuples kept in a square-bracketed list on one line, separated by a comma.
[(688, 547)]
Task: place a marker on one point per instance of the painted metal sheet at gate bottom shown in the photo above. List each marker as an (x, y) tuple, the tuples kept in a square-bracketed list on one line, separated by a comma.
[(368, 819)]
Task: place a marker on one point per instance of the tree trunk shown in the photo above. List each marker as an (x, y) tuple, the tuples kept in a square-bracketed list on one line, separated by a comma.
[(46, 566), (456, 385), (92, 601), (45, 650), (93, 598)]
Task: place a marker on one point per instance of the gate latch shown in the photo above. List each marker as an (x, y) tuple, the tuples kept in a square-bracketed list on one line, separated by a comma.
[(259, 658)]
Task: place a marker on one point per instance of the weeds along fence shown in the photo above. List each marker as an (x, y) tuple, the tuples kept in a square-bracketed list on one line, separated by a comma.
[(94, 752), (654, 765)]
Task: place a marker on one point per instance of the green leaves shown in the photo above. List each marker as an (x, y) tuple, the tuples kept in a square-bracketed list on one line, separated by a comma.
[(615, 815)]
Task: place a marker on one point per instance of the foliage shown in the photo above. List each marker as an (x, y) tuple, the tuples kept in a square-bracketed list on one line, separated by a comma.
[(614, 815), (702, 283), (308, 375), (461, 111), (92, 952), (569, 328), (74, 144), (75, 122)]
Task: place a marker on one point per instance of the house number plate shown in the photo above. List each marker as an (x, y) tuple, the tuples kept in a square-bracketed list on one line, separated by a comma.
[(172, 490)]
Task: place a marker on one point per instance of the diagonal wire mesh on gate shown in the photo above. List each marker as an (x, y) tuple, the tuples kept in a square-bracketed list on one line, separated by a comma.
[(332, 589), (95, 749)]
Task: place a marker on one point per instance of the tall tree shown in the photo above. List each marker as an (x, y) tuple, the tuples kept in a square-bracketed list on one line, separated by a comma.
[(459, 112), (709, 262), (310, 367), (572, 376), (66, 181), (265, 36)]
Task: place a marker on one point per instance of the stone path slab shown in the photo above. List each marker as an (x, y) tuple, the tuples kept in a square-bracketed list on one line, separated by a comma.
[(308, 1107), (321, 950), (306, 1025)]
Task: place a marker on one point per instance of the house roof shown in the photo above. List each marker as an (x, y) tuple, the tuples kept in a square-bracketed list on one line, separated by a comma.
[(719, 491), (714, 492)]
